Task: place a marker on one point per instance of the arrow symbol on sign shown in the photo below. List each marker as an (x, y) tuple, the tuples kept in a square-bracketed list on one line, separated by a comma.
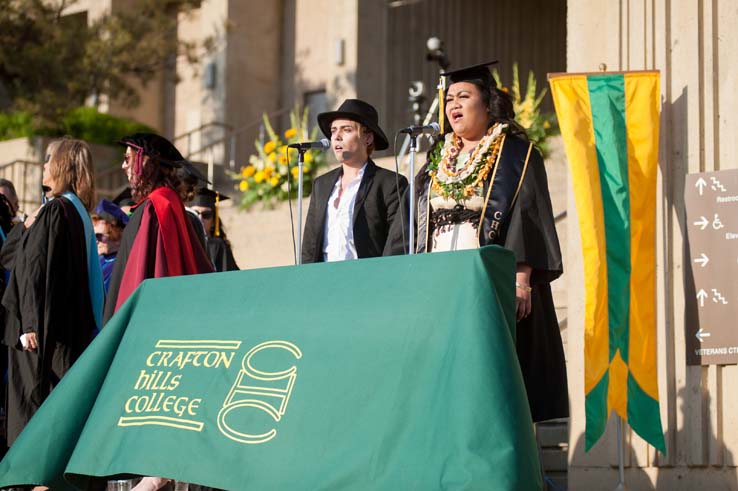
[(703, 223), (700, 184), (701, 335), (701, 296), (703, 260)]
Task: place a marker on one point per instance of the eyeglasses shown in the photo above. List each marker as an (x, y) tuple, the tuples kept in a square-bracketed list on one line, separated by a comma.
[(204, 215)]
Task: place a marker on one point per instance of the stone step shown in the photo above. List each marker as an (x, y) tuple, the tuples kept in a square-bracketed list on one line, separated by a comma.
[(553, 437), (553, 434), (556, 481)]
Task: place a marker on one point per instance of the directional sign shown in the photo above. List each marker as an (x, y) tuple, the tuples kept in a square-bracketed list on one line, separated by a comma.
[(711, 282), (702, 260)]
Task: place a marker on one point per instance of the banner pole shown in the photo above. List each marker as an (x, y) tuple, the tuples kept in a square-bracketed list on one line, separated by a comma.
[(621, 472)]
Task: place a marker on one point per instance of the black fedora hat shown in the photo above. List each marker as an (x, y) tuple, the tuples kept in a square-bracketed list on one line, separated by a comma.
[(359, 111)]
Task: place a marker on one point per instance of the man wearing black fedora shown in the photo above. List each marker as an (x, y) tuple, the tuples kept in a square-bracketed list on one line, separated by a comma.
[(351, 207)]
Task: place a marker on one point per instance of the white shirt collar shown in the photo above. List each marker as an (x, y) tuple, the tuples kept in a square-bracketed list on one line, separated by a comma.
[(338, 238)]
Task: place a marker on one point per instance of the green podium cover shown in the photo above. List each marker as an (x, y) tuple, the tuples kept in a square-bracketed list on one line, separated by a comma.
[(388, 373)]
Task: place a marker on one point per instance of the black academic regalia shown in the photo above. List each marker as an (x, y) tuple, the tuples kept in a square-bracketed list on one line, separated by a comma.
[(530, 233), (197, 227), (48, 293), (220, 254), (152, 251), (121, 260)]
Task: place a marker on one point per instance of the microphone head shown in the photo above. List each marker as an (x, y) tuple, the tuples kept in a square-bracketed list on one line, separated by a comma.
[(436, 128), (326, 143)]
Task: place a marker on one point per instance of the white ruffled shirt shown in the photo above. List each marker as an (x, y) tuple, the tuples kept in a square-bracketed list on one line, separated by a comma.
[(338, 236)]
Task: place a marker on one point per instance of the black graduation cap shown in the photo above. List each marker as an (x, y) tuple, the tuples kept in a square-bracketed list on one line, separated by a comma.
[(472, 72), (153, 146), (124, 198), (209, 199), (191, 173)]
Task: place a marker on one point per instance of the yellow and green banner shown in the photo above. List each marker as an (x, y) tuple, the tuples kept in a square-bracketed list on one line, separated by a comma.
[(395, 373), (610, 126)]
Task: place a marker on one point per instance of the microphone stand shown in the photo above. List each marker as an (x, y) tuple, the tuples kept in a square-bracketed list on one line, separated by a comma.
[(300, 162), (411, 181)]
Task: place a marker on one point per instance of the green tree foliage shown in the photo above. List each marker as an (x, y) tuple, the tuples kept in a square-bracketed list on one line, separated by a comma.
[(52, 61)]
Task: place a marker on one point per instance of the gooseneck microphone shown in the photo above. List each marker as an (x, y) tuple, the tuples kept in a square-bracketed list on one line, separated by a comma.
[(323, 144), (430, 129)]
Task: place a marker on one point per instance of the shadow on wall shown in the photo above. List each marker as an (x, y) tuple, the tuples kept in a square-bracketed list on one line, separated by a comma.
[(667, 478)]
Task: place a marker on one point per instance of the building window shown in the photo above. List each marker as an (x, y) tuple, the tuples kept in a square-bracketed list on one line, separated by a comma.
[(317, 102)]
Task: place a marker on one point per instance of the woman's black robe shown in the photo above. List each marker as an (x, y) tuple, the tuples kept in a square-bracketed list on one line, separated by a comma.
[(529, 231), (48, 293)]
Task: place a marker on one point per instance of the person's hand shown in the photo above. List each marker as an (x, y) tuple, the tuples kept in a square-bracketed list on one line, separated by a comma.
[(31, 343), (151, 484), (32, 217), (522, 291)]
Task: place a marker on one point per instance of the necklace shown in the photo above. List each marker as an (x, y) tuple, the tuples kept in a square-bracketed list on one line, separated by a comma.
[(461, 183)]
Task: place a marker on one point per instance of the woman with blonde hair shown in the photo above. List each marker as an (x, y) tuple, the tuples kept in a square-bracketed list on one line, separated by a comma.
[(54, 298)]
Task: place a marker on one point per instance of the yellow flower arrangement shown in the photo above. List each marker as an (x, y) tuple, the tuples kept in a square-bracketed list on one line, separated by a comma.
[(538, 126), (265, 177)]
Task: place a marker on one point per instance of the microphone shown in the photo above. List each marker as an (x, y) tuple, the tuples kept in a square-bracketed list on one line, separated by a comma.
[(430, 129), (323, 144)]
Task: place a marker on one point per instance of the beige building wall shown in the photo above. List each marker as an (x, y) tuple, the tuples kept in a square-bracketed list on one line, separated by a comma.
[(227, 92), (694, 43), (325, 49), (253, 71)]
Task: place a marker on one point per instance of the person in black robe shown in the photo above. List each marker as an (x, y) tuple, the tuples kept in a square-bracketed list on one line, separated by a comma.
[(6, 222), (205, 205), (51, 299), (483, 184), (191, 177), (151, 163)]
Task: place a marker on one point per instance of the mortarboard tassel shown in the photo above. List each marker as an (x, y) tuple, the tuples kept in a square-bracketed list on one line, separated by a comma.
[(217, 219), (137, 159), (441, 102)]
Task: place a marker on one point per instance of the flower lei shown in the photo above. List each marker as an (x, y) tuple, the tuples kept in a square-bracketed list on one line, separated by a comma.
[(462, 183)]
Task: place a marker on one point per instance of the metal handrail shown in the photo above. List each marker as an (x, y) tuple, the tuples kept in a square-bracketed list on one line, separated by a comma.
[(19, 161), (29, 195), (201, 128), (234, 132)]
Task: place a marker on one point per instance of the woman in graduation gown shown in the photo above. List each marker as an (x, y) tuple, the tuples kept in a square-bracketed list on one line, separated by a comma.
[(205, 204), (484, 183), (53, 300), (159, 239)]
